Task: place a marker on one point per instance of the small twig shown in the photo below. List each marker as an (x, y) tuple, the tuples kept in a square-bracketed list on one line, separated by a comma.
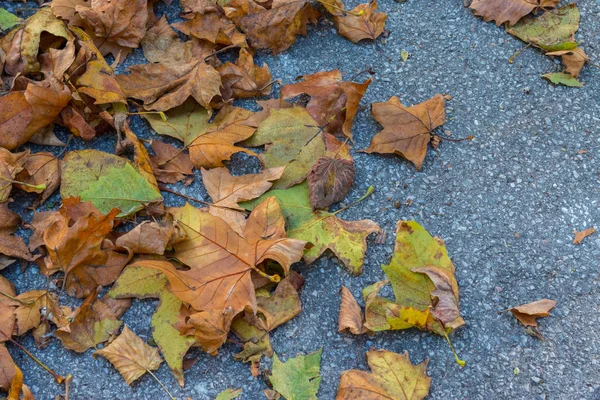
[(518, 53), (278, 81), (13, 298), (59, 379), (456, 140), (369, 192), (460, 362), (214, 53), (370, 71)]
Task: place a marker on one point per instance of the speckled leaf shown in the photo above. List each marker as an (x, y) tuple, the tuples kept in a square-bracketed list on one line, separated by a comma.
[(108, 181), (142, 283), (298, 378), (346, 239)]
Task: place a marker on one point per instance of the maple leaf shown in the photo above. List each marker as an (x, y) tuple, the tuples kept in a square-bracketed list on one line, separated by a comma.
[(7, 309), (346, 239), (209, 328), (245, 79), (161, 43), (528, 313), (217, 143), (406, 130), (170, 164), (579, 236), (361, 23), (510, 11), (107, 180), (220, 261), (11, 246), (164, 86), (213, 27), (89, 327), (142, 283), (422, 278), (293, 139), (299, 377), (130, 356), (350, 317), (329, 181), (392, 376), (333, 102), (574, 60), (273, 28)]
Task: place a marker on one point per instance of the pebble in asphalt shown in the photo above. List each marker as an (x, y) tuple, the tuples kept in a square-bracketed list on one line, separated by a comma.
[(521, 174)]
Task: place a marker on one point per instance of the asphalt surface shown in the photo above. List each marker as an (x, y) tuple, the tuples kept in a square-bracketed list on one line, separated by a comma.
[(506, 204)]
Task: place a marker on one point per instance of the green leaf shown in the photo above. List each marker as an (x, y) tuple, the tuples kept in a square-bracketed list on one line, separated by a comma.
[(143, 283), (7, 20), (552, 31), (561, 78), (185, 122), (107, 180), (346, 239), (298, 378), (293, 139), (229, 394), (404, 54)]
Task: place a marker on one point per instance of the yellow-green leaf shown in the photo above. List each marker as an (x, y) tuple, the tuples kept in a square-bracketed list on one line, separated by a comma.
[(298, 378), (186, 122)]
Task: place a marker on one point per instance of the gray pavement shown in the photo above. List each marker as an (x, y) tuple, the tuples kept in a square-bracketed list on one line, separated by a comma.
[(521, 174)]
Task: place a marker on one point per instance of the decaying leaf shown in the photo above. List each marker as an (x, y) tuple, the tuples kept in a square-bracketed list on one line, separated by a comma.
[(299, 377), (406, 130), (351, 316), (212, 27), (579, 236), (528, 313), (392, 376), (130, 355), (170, 164), (245, 79), (329, 181), (510, 11), (40, 174), (346, 239), (360, 23)]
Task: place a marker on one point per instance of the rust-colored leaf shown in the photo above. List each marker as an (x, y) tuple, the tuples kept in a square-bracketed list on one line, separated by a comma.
[(329, 181), (574, 60), (528, 313), (361, 23), (213, 27), (510, 11), (245, 79), (351, 316)]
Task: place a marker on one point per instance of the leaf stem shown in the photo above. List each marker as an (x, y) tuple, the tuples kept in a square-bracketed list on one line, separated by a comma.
[(13, 298), (369, 192), (460, 362), (36, 187), (161, 384), (518, 53), (57, 378), (160, 114)]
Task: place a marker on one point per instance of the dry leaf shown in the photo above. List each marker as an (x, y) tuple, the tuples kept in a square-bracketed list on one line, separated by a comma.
[(362, 22), (212, 27), (148, 237), (245, 79), (574, 60), (329, 181), (131, 356), (406, 130), (579, 236), (7, 309), (170, 164), (510, 11), (11, 246), (351, 316), (528, 313)]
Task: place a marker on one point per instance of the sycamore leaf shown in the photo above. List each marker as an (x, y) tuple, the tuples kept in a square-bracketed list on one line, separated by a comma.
[(552, 31), (579, 236), (108, 181), (164, 86), (7, 20), (7, 309), (220, 261), (559, 78), (528, 313), (392, 376), (406, 130), (217, 143), (245, 79), (362, 22), (213, 27), (333, 102), (293, 139), (273, 28), (10, 245), (130, 355), (142, 283), (346, 239), (350, 317), (299, 377), (329, 180), (186, 122), (422, 277), (170, 164), (88, 328), (510, 11), (574, 60), (229, 394)]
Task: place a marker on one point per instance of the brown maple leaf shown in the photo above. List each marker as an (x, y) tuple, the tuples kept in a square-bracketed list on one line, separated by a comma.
[(170, 164), (209, 328), (245, 79), (361, 23), (333, 102), (329, 181), (41, 175), (528, 313), (273, 27), (148, 237), (510, 11), (406, 130), (213, 27)]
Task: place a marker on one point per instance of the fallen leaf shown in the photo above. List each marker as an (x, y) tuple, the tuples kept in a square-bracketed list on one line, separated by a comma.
[(170, 164), (28, 312), (293, 139), (142, 283), (245, 79), (361, 23), (552, 31), (220, 261), (7, 21), (273, 28), (579, 236), (406, 130), (333, 102), (392, 376), (528, 313), (213, 27), (299, 377), (161, 44), (574, 60), (40, 175), (7, 368), (148, 237), (7, 309), (130, 356), (10, 245), (229, 394), (185, 122), (351, 316), (209, 328), (510, 11), (329, 181), (346, 239), (560, 78), (108, 181)]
